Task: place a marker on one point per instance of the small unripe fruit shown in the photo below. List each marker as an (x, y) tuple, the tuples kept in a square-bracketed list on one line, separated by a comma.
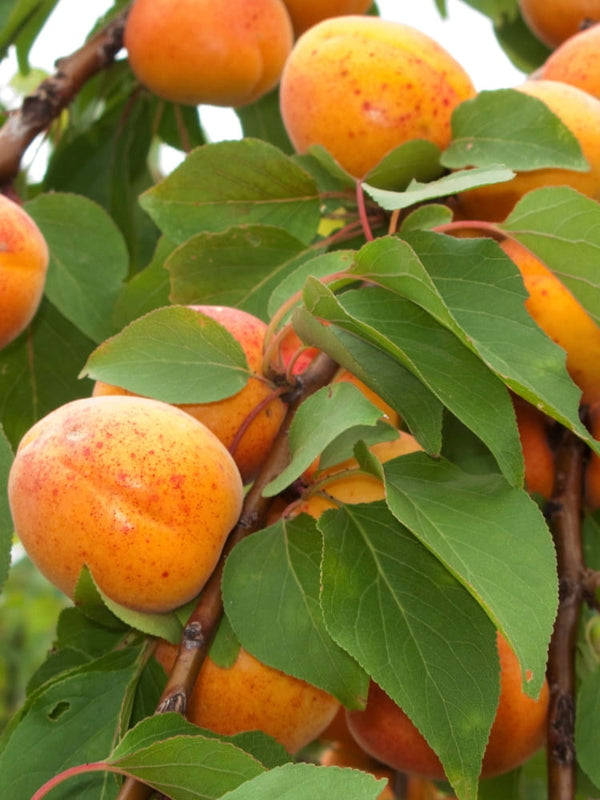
[(136, 489)]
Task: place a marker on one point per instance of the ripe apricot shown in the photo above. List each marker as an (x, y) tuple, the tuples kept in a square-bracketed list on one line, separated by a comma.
[(352, 486), (306, 13), (537, 452), (345, 376), (554, 21), (360, 86), (519, 729), (577, 62), (562, 317), (136, 489), (227, 418), (250, 695), (23, 266), (208, 51), (580, 112)]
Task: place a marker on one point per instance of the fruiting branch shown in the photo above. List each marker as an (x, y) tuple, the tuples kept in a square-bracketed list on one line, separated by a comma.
[(54, 94), (204, 619), (564, 517)]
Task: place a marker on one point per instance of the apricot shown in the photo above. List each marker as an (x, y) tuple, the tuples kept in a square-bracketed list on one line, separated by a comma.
[(577, 62), (580, 112), (554, 21), (248, 435), (360, 86), (562, 317), (250, 695), (23, 265), (136, 489), (345, 376), (352, 486), (208, 51), (306, 13), (519, 729), (537, 452)]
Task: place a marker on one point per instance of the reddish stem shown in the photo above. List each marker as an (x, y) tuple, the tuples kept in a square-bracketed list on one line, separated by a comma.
[(81, 769), (362, 212)]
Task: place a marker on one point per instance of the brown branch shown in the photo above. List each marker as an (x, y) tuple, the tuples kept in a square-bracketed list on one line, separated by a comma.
[(54, 94), (565, 519), (204, 619)]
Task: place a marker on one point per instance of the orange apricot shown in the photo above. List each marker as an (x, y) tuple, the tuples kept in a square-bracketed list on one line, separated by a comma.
[(208, 51), (576, 61), (360, 86), (562, 317), (137, 490), (580, 112), (306, 13), (554, 21), (519, 729), (346, 485), (248, 421), (250, 695), (537, 452), (23, 266), (345, 376)]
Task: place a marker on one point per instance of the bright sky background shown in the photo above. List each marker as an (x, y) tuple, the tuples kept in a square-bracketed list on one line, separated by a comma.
[(466, 34)]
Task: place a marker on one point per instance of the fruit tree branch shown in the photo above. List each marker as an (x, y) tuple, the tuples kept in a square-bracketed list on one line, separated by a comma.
[(564, 517), (55, 93), (204, 619)]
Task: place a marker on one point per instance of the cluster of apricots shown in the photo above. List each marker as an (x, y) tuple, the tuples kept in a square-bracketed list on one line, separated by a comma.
[(125, 484)]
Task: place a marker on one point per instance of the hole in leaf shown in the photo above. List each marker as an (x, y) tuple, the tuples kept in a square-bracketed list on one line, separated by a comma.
[(58, 710)]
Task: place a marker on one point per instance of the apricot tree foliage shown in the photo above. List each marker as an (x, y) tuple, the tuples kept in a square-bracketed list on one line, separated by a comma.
[(409, 590)]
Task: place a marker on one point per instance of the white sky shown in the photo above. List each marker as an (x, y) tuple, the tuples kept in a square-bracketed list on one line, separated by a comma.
[(466, 34)]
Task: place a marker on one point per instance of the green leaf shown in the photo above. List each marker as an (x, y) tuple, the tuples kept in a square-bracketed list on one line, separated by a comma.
[(472, 287), (21, 23), (523, 49), (420, 635), (419, 409), (459, 380), (237, 267), (88, 260), (72, 722), (262, 120), (177, 758), (320, 419), (146, 290), (38, 371), (562, 227), (587, 736), (509, 127), (94, 602), (494, 540), (417, 160), (234, 183), (308, 781), (447, 185), (174, 354), (271, 587), (426, 217), (6, 525)]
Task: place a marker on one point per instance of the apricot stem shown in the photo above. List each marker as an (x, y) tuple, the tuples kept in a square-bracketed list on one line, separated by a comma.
[(564, 518), (54, 94), (488, 229), (362, 212)]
